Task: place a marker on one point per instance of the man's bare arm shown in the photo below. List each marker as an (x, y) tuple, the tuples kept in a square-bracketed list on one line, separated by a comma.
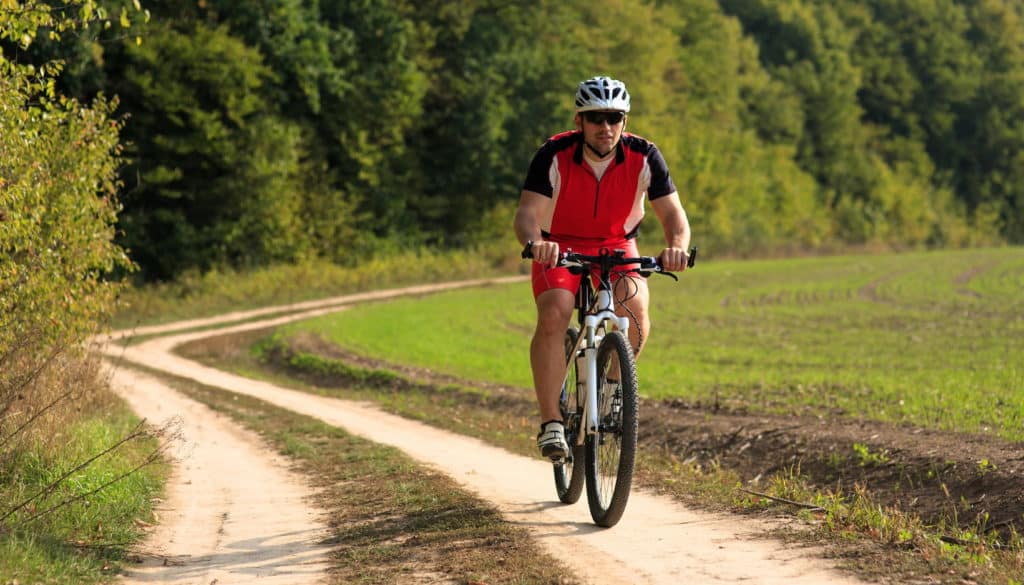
[(676, 227), (527, 226)]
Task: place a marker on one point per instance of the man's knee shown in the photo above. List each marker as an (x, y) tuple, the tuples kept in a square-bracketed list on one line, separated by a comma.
[(554, 310), (637, 311), (552, 322)]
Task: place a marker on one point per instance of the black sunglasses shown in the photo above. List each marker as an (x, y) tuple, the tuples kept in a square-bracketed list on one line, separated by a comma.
[(599, 118)]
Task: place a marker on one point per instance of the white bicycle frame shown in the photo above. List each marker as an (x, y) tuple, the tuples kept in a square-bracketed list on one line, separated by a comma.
[(585, 354)]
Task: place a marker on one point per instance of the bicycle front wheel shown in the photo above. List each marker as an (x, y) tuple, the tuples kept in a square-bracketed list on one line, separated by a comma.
[(611, 452), (569, 473)]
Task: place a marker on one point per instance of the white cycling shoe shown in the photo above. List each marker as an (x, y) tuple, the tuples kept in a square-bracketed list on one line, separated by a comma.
[(551, 441)]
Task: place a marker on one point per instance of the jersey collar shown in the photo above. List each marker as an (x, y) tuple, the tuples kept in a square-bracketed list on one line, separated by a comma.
[(577, 157)]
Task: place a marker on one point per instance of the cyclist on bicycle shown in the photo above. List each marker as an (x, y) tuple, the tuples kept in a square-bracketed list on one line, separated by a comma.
[(585, 191)]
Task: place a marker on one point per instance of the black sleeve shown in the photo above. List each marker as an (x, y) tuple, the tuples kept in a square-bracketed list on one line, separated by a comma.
[(538, 178), (661, 181)]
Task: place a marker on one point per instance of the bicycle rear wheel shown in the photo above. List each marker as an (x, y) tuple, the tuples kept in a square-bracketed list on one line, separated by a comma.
[(611, 453), (569, 473)]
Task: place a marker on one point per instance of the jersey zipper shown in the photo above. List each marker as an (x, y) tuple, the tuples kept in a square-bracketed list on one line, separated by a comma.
[(597, 189)]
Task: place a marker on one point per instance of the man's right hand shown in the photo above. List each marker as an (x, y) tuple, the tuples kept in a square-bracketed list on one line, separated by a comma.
[(545, 253)]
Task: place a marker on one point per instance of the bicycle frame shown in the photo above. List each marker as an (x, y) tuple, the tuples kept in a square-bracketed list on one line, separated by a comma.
[(595, 312), (601, 421), (593, 323)]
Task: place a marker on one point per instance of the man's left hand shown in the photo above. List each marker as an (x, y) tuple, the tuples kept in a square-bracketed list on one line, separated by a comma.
[(674, 259)]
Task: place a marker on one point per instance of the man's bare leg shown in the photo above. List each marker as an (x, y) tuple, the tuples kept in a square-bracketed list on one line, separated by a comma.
[(547, 350), (637, 299)]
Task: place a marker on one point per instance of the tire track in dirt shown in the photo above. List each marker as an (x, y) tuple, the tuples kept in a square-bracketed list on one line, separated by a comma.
[(657, 542), (233, 513)]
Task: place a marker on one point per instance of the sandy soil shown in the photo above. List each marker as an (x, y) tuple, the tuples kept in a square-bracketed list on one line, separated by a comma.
[(210, 531), (233, 512)]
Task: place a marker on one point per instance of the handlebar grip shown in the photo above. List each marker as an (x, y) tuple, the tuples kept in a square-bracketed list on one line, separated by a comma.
[(528, 250)]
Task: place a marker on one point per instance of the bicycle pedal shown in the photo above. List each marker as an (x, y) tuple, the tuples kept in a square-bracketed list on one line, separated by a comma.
[(556, 456)]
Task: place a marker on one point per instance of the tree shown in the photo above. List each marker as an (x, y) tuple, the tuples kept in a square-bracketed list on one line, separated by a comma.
[(501, 76), (990, 174), (873, 95), (214, 174), (270, 130)]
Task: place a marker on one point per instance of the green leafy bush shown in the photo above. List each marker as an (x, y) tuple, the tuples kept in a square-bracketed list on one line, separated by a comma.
[(58, 207), (58, 183)]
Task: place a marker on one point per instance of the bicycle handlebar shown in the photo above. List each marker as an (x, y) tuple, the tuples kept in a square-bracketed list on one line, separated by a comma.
[(647, 264)]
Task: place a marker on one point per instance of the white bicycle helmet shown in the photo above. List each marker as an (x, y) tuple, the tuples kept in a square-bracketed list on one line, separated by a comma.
[(602, 93)]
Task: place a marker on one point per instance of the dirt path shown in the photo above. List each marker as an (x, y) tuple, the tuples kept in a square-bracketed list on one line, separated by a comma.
[(233, 513), (658, 541)]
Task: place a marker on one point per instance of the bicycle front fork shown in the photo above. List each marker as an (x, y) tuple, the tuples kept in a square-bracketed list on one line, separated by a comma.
[(590, 390)]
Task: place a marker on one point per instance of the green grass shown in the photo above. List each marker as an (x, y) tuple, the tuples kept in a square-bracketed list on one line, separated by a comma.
[(215, 292), (85, 541), (873, 538), (933, 339)]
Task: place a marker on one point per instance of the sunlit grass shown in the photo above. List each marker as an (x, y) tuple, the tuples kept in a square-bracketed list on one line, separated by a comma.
[(85, 540), (194, 295), (933, 339)]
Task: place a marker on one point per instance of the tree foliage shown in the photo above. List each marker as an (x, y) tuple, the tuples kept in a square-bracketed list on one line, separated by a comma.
[(58, 207), (218, 178), (274, 130), (905, 132)]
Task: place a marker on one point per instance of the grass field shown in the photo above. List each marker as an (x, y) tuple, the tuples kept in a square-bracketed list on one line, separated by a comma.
[(934, 339)]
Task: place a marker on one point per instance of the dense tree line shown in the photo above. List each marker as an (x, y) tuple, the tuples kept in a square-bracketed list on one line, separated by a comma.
[(268, 131), (931, 89)]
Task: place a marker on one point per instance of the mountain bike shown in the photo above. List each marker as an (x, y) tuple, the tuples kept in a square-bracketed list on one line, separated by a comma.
[(599, 393)]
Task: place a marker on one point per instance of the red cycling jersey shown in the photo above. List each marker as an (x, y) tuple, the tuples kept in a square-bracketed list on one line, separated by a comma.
[(587, 208), (590, 209)]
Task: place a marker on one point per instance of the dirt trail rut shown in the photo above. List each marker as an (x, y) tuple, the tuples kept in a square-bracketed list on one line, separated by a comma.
[(233, 513), (657, 542)]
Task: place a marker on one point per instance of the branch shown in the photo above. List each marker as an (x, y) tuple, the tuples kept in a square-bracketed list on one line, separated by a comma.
[(147, 461), (962, 542), (35, 416), (53, 485), (806, 506), (25, 381)]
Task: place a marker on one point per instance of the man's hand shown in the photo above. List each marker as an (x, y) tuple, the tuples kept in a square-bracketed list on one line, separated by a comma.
[(545, 253), (674, 259)]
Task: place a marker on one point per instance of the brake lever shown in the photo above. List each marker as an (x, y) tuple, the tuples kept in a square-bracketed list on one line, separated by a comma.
[(690, 261), (663, 272), (657, 270)]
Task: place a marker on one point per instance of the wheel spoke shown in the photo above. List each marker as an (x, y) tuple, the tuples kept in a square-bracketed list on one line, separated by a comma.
[(569, 475), (611, 452)]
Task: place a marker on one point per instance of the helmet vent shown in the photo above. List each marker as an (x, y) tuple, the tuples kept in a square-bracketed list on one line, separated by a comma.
[(602, 93)]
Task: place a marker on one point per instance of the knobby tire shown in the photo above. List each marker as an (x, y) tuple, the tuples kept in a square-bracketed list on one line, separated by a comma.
[(611, 453), (569, 474)]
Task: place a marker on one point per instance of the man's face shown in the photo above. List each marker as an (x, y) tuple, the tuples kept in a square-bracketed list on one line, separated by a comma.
[(601, 128)]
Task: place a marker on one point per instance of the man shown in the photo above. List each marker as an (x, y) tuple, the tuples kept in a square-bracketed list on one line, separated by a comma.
[(585, 190)]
